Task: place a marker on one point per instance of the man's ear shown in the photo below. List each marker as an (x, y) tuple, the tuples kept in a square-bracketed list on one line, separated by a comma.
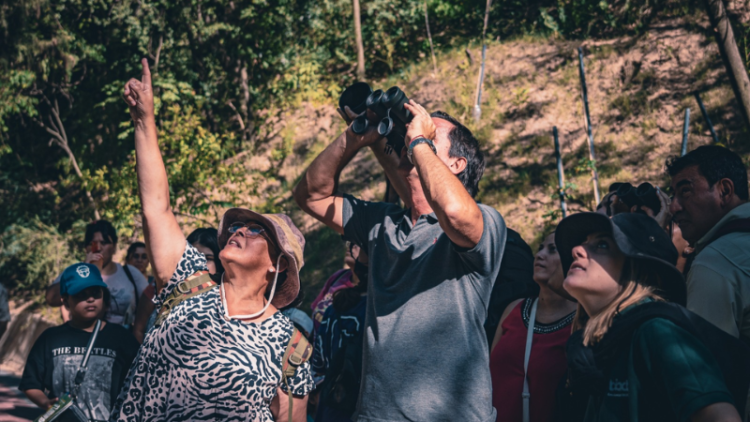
[(65, 302), (458, 165), (726, 190)]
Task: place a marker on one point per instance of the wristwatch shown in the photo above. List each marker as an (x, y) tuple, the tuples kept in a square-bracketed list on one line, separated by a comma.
[(416, 141)]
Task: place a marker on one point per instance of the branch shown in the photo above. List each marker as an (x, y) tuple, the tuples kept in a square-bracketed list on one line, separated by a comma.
[(158, 52), (57, 130), (237, 113)]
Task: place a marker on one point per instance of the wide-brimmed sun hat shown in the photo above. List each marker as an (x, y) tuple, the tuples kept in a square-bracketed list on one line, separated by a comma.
[(637, 236), (287, 239)]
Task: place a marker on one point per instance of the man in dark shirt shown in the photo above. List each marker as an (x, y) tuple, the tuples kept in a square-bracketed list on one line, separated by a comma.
[(432, 267), (57, 354)]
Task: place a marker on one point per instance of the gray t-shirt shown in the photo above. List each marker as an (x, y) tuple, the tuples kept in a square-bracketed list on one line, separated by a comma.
[(426, 354)]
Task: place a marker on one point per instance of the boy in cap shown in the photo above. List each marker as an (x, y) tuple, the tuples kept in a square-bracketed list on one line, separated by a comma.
[(57, 354)]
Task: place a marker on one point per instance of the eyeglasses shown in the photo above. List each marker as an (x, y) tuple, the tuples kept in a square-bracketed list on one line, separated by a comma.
[(95, 292), (253, 230)]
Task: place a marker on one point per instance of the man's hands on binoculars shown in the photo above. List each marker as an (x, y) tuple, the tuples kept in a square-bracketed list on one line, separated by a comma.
[(421, 124), (366, 139), (611, 205), (140, 96), (664, 216)]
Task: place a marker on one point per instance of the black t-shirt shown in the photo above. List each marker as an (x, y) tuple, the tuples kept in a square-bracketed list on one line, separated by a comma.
[(56, 356)]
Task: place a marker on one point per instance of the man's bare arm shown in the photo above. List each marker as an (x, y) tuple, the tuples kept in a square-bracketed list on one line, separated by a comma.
[(457, 212), (316, 191)]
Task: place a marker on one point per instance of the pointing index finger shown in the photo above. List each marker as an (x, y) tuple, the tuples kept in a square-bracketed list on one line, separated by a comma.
[(146, 77)]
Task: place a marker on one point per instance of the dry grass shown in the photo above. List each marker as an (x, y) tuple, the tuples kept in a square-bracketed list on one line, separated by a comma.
[(638, 90)]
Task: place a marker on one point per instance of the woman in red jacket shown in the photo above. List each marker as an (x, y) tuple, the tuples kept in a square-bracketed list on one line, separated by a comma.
[(538, 370)]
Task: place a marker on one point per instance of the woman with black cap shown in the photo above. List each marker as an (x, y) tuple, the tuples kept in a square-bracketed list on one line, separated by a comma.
[(216, 352), (635, 356)]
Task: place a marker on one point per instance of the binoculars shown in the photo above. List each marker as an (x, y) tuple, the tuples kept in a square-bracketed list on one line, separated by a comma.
[(381, 109), (644, 194)]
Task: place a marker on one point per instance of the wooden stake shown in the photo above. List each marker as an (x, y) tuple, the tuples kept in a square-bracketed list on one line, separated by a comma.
[(560, 174), (480, 79), (685, 129), (429, 37), (590, 133), (706, 118)]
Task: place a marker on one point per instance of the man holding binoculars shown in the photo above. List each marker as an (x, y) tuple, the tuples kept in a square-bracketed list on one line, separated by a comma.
[(432, 267)]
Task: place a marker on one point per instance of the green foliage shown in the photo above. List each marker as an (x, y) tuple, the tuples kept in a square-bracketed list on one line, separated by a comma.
[(202, 182), (33, 254), (220, 68), (585, 18)]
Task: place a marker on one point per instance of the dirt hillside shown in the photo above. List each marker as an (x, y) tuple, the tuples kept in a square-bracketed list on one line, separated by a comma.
[(639, 88)]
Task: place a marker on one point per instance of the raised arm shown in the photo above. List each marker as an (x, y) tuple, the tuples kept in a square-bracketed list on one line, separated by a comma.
[(164, 238), (316, 192), (456, 211)]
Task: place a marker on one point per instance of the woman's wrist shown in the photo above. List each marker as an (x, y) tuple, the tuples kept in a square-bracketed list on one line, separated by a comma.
[(144, 123)]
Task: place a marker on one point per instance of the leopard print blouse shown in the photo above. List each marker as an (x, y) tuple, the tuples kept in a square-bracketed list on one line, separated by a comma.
[(198, 366)]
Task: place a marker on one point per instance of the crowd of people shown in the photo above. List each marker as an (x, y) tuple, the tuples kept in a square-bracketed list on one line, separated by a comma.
[(441, 314)]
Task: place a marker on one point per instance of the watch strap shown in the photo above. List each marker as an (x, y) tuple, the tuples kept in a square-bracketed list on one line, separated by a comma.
[(416, 141)]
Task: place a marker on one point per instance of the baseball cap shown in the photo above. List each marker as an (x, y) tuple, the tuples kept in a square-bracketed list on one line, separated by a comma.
[(78, 277), (638, 236)]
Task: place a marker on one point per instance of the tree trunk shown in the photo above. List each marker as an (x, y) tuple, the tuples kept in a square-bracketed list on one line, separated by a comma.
[(730, 54), (480, 77), (429, 37), (360, 46)]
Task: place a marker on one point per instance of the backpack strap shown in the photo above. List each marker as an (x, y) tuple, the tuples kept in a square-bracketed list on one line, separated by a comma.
[(526, 395), (132, 281), (81, 374), (194, 285), (298, 351)]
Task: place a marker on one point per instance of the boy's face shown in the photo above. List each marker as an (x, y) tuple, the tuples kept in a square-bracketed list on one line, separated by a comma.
[(86, 305)]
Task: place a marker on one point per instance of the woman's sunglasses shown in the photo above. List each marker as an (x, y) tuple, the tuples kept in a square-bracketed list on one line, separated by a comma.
[(254, 230)]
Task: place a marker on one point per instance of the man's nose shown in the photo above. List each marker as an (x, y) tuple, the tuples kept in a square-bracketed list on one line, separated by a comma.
[(675, 206)]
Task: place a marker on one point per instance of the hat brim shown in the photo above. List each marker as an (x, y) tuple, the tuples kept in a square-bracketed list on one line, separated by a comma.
[(573, 230), (288, 291), (79, 288)]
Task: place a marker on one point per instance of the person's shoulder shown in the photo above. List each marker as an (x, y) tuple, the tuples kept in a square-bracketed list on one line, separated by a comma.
[(357, 202), (123, 335), (115, 329), (493, 214), (133, 270), (284, 325), (659, 331), (52, 332), (282, 322), (137, 274)]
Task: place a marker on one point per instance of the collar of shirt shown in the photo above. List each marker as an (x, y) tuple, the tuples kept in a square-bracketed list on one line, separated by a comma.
[(431, 218)]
